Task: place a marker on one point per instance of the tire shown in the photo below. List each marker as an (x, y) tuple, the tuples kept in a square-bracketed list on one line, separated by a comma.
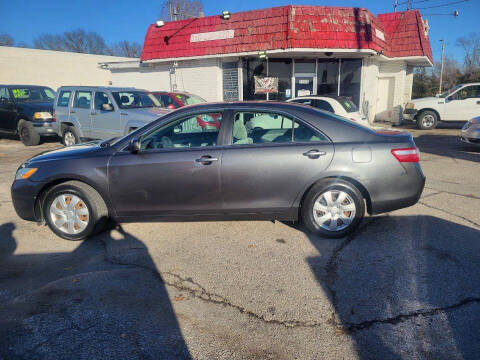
[(69, 136), (27, 133), (325, 227), (427, 120), (68, 222)]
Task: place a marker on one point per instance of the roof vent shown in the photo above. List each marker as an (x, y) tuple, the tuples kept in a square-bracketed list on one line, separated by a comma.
[(160, 23)]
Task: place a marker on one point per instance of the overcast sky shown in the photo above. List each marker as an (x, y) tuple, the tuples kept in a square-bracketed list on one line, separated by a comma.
[(119, 20)]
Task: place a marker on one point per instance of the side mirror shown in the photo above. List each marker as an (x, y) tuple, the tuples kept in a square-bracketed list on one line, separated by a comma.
[(107, 107), (135, 146)]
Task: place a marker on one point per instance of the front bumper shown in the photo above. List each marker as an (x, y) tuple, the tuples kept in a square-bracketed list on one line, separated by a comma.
[(24, 197), (471, 135), (409, 114), (44, 127)]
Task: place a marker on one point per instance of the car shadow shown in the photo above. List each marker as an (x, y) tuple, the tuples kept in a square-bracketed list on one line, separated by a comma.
[(404, 287), (88, 303), (448, 146)]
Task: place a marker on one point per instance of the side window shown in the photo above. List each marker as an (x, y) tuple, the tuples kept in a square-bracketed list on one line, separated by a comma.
[(82, 99), (257, 128), (302, 133), (101, 99), (468, 92), (195, 131), (4, 95), (64, 98), (324, 105), (167, 100)]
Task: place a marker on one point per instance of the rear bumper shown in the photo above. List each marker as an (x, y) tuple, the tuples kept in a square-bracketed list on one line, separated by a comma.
[(404, 191), (24, 197)]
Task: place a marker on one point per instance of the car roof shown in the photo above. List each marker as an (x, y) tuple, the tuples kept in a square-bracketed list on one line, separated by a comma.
[(334, 97), (24, 85), (110, 88)]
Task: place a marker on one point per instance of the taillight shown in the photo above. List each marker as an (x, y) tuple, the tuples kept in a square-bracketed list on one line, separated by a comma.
[(53, 116), (406, 154)]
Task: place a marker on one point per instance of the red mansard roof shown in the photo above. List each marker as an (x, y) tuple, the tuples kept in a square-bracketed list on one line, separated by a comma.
[(398, 34)]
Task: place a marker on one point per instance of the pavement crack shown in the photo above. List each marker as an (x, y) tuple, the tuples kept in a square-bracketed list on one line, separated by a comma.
[(449, 213), (404, 317), (468, 196)]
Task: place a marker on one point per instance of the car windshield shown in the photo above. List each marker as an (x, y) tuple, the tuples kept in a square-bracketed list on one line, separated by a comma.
[(189, 99), (33, 94), (451, 90), (348, 105), (135, 99)]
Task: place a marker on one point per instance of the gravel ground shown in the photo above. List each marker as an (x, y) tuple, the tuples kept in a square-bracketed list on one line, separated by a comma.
[(405, 286)]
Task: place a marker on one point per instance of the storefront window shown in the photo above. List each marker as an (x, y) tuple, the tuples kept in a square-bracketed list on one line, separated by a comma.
[(282, 69), (251, 68), (350, 75), (327, 77)]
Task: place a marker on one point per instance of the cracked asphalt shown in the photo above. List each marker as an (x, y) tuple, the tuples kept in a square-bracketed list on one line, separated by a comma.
[(405, 286)]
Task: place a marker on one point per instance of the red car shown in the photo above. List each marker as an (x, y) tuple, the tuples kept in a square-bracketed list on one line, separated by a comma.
[(173, 100)]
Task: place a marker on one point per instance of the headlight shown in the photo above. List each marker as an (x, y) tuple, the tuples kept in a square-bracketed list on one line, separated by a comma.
[(25, 173), (409, 105), (42, 115)]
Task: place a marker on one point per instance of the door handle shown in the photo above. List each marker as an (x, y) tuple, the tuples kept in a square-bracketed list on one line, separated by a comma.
[(206, 160), (314, 154), (72, 111)]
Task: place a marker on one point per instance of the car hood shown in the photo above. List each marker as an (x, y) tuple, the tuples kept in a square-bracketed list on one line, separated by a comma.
[(146, 114), (37, 106), (74, 151), (425, 100)]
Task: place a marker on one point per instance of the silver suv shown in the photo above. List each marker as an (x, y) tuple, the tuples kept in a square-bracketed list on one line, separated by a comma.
[(84, 112)]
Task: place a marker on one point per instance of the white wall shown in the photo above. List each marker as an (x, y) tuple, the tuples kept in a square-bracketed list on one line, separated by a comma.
[(200, 77), (52, 68), (401, 79)]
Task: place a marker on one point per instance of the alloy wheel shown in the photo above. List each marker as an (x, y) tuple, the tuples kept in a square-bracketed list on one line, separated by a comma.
[(428, 121), (69, 138), (69, 214), (334, 210)]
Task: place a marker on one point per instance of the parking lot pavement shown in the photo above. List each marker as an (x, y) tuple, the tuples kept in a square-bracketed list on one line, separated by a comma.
[(405, 286)]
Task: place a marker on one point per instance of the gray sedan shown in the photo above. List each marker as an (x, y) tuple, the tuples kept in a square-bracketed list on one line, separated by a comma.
[(470, 133), (225, 161)]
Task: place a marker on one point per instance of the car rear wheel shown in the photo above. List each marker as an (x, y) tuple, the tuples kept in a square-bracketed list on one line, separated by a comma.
[(27, 133), (69, 136), (74, 210), (427, 120), (333, 209)]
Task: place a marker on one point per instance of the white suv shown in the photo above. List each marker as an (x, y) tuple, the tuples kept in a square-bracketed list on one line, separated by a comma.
[(460, 103)]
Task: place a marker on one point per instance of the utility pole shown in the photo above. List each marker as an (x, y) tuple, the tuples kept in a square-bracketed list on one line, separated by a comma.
[(408, 5), (441, 68), (170, 10), (395, 6)]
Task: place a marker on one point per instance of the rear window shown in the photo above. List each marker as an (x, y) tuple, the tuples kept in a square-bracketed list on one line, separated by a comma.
[(348, 105), (189, 99), (64, 98)]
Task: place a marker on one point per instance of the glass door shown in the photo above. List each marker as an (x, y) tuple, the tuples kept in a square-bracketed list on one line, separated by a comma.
[(305, 76), (303, 85)]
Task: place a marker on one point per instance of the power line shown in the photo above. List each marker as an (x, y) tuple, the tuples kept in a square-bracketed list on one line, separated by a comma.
[(447, 4)]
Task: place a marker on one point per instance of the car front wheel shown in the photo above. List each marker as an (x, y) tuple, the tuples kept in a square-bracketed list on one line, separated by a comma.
[(74, 210), (427, 120), (333, 209)]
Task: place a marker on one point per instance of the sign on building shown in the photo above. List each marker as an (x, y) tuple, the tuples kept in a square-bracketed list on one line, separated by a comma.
[(266, 85)]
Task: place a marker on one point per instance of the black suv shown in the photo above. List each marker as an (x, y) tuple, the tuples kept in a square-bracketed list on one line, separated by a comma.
[(26, 110)]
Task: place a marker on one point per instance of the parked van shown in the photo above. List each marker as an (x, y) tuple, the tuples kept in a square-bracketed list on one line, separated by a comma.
[(84, 112)]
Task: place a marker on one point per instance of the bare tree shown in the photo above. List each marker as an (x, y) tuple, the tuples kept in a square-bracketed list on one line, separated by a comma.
[(180, 9), (126, 49), (76, 41), (471, 47), (6, 40)]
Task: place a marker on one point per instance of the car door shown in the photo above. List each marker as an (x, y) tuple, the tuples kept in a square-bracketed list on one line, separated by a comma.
[(8, 114), (105, 119), (265, 168), (80, 112), (464, 104), (175, 174)]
